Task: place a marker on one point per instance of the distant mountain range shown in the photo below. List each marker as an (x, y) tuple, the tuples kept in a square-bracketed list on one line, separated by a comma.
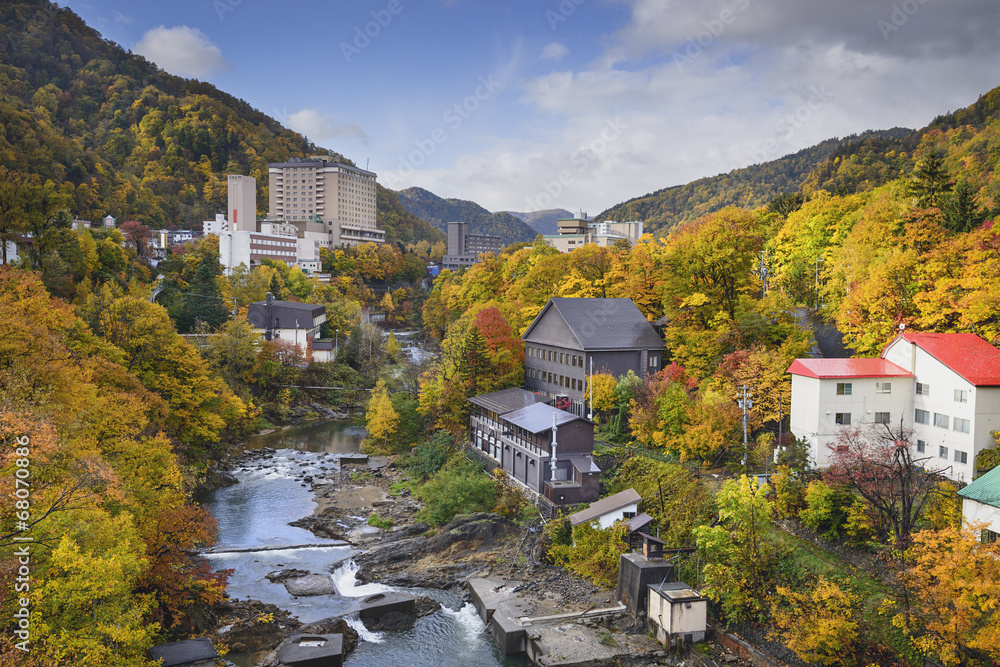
[(758, 184), (543, 222), (439, 212)]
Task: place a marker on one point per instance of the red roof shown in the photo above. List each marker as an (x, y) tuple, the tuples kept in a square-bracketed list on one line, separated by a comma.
[(847, 368), (967, 354)]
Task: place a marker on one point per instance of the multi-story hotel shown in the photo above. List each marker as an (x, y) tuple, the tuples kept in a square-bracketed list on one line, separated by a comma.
[(464, 248), (329, 201)]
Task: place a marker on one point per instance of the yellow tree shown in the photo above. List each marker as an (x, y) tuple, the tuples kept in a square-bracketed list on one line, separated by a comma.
[(819, 625), (955, 582), (381, 419), (603, 387)]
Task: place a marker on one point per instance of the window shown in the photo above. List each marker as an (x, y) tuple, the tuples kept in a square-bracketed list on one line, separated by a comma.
[(961, 425), (921, 446), (961, 396), (881, 417), (923, 389), (961, 457), (654, 361), (942, 452), (843, 389), (922, 416), (940, 420), (843, 418), (883, 387)]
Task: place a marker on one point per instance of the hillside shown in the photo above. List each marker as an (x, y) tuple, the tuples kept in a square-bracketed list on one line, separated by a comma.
[(439, 212), (749, 187), (116, 135), (543, 222)]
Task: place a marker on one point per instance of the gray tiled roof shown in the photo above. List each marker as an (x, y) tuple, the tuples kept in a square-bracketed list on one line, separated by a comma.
[(538, 417), (508, 400), (604, 324)]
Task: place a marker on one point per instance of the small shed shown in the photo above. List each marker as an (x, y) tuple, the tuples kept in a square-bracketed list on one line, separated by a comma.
[(636, 526), (606, 511), (652, 548), (188, 653), (676, 610)]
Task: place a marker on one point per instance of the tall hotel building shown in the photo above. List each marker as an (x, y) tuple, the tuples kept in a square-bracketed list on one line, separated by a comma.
[(329, 201)]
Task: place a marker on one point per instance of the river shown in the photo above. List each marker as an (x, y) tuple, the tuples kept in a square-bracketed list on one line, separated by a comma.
[(256, 513)]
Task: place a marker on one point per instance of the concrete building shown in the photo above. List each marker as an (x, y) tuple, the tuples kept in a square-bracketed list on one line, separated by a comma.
[(274, 240), (298, 323), (569, 337), (579, 231), (243, 203), (981, 504), (545, 451), (676, 611), (464, 248), (946, 387), (331, 199)]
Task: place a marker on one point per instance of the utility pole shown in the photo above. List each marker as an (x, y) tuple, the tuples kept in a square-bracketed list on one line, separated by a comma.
[(745, 403)]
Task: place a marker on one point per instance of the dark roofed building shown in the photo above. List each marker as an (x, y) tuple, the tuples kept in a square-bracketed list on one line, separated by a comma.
[(298, 323), (569, 335), (514, 428)]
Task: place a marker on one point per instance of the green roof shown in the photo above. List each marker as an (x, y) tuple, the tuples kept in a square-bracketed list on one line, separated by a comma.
[(985, 490)]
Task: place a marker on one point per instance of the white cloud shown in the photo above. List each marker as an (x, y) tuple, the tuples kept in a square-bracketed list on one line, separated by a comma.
[(121, 18), (769, 78), (181, 50), (320, 128), (554, 51)]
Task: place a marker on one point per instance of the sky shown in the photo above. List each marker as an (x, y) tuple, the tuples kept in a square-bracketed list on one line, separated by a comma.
[(575, 104)]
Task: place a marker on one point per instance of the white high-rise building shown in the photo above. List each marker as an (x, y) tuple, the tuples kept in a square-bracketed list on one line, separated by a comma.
[(242, 203), (325, 199)]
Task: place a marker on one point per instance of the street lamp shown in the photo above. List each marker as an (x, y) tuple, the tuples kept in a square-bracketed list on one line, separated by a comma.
[(336, 347)]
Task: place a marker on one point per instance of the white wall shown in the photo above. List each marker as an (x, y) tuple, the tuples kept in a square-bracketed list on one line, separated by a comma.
[(608, 520), (677, 617), (974, 511)]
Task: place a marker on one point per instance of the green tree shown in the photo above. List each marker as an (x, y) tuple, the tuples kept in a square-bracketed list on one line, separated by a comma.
[(203, 301), (961, 211), (929, 180), (739, 561)]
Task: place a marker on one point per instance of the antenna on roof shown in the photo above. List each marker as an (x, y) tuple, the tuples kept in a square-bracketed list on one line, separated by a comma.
[(902, 326), (367, 162)]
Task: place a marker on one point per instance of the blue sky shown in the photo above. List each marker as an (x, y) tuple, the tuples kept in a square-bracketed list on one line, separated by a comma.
[(578, 104)]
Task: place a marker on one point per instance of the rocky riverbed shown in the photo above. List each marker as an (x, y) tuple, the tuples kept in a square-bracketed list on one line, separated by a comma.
[(411, 554)]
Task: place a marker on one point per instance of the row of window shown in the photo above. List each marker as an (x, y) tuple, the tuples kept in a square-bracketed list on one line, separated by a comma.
[(958, 424), (959, 456), (941, 421), (923, 389), (574, 360), (552, 378)]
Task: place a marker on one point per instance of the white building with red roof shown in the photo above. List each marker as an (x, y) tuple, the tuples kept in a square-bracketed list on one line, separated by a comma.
[(946, 387)]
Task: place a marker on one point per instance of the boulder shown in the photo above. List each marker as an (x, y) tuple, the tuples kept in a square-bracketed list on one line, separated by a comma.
[(311, 585)]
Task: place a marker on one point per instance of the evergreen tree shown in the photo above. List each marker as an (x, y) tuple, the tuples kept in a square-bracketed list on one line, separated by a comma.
[(929, 179), (203, 301), (961, 211)]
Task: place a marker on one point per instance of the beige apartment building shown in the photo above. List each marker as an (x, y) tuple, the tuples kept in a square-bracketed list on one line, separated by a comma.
[(328, 201)]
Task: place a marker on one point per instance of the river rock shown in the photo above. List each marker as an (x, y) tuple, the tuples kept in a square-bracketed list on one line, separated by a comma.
[(281, 576), (310, 585)]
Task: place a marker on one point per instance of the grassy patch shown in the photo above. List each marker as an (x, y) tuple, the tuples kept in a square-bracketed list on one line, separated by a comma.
[(378, 521)]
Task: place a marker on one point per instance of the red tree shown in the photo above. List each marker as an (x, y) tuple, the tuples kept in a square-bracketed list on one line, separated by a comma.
[(882, 465)]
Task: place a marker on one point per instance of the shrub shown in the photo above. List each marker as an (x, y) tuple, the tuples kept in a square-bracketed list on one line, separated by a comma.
[(827, 509), (431, 455), (459, 487), (379, 522)]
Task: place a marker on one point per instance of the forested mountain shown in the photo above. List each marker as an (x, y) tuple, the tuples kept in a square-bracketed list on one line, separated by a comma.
[(543, 222), (115, 135), (758, 184), (439, 212)]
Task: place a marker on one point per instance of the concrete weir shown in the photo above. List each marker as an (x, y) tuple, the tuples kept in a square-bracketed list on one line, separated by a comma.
[(563, 640)]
